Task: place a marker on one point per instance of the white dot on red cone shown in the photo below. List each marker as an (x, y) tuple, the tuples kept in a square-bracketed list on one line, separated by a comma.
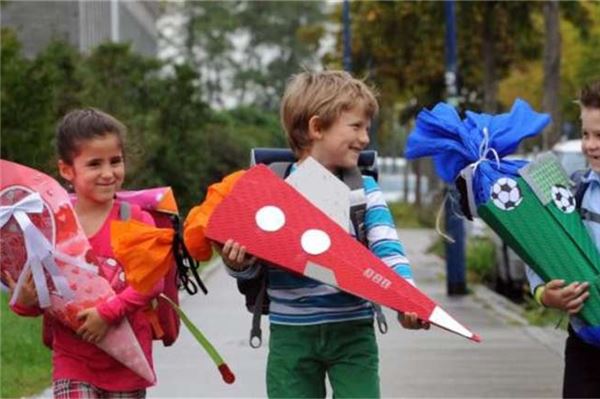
[(270, 218), (315, 241)]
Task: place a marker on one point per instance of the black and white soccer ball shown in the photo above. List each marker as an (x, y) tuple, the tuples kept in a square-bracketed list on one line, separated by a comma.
[(563, 198), (506, 194)]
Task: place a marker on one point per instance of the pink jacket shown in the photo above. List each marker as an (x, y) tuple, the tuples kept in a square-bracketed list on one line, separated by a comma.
[(76, 359)]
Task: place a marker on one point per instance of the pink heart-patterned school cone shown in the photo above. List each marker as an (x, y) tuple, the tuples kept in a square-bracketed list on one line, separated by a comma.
[(40, 232)]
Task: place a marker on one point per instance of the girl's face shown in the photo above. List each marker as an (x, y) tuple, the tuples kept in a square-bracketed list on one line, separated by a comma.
[(97, 171)]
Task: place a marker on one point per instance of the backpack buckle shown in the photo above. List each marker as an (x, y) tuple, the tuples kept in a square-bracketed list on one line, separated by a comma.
[(255, 338)]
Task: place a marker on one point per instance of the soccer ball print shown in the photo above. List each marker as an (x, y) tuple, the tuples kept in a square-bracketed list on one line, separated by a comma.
[(506, 194), (563, 198)]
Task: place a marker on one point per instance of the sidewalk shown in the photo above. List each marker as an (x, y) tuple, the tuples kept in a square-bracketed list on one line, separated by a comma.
[(513, 360)]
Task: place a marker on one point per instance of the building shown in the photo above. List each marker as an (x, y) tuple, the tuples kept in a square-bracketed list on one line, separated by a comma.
[(83, 23)]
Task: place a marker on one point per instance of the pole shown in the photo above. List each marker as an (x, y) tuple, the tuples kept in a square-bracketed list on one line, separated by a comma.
[(347, 60), (455, 252)]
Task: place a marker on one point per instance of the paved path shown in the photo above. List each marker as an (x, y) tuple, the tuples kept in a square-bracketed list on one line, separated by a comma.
[(514, 360)]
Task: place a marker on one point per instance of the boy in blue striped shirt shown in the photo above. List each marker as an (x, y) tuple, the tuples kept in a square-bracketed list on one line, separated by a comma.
[(316, 329)]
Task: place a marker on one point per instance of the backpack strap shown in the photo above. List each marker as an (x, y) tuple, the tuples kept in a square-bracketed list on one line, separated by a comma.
[(589, 215), (580, 186), (256, 332), (580, 189), (358, 210), (281, 169)]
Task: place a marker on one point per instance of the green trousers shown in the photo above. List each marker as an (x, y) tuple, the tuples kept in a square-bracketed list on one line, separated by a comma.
[(301, 356)]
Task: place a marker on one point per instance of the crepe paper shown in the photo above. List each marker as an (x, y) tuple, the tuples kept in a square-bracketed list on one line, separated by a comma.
[(529, 205), (322, 189), (159, 199), (224, 369), (339, 260), (144, 251), (197, 220), (56, 226)]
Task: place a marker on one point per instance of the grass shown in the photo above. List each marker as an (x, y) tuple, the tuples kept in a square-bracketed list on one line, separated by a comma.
[(480, 258), (408, 215), (25, 362), (540, 316)]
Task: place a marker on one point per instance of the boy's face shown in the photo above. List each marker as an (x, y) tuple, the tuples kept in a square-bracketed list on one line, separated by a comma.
[(339, 145), (590, 140)]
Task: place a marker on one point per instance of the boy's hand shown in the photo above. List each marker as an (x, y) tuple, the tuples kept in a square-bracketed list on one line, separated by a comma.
[(234, 256), (410, 321), (569, 298), (28, 294), (94, 327)]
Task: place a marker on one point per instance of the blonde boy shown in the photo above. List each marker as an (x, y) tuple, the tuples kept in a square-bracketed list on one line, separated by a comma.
[(317, 330)]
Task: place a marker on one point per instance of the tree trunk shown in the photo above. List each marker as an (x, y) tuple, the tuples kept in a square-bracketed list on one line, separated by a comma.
[(551, 86), (490, 83)]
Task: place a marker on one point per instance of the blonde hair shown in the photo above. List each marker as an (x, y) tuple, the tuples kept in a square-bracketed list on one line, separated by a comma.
[(326, 95)]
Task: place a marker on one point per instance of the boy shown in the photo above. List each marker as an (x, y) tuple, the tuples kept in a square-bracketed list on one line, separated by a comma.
[(582, 360), (317, 330)]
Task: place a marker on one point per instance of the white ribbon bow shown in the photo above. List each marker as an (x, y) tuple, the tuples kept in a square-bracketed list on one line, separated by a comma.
[(40, 252)]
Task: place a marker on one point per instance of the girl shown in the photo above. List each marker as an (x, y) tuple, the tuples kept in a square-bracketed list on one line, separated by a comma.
[(90, 149)]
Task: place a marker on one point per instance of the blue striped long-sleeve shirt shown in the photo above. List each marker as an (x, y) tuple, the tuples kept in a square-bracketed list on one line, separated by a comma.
[(299, 300)]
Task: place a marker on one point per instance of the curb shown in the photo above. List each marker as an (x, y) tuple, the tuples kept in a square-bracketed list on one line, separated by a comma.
[(553, 339)]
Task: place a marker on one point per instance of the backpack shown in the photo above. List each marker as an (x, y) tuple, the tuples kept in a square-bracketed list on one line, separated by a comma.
[(164, 319), (280, 162)]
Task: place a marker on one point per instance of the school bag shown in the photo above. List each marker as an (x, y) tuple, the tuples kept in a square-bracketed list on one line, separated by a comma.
[(163, 317), (183, 275), (280, 162)]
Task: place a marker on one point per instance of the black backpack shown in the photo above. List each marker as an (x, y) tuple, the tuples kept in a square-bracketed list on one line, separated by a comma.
[(280, 161)]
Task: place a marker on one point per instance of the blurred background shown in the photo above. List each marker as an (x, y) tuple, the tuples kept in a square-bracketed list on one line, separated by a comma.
[(198, 83)]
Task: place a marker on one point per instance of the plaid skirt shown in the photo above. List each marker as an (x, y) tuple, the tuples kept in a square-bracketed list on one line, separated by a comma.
[(71, 389)]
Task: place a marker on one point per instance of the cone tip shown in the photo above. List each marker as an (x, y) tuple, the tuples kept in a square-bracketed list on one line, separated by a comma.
[(226, 373)]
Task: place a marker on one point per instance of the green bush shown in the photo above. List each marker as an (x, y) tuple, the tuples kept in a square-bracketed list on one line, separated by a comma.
[(541, 316), (407, 215), (480, 259), (24, 360)]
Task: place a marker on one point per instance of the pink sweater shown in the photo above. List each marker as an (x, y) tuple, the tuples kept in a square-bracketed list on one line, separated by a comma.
[(76, 359)]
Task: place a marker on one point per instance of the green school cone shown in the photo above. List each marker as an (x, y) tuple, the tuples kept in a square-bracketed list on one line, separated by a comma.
[(537, 220), (224, 369)]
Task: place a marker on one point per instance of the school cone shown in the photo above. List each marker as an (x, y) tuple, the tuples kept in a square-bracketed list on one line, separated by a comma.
[(224, 369), (40, 232), (278, 225)]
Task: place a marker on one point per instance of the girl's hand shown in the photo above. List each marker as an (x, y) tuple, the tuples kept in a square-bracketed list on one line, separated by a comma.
[(234, 256), (568, 298), (410, 321), (28, 294), (94, 327)]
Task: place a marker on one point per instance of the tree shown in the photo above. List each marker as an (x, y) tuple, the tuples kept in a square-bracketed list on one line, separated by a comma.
[(550, 100), (245, 51)]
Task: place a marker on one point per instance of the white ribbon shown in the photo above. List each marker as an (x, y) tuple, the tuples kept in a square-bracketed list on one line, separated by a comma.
[(484, 149), (40, 252), (469, 170)]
